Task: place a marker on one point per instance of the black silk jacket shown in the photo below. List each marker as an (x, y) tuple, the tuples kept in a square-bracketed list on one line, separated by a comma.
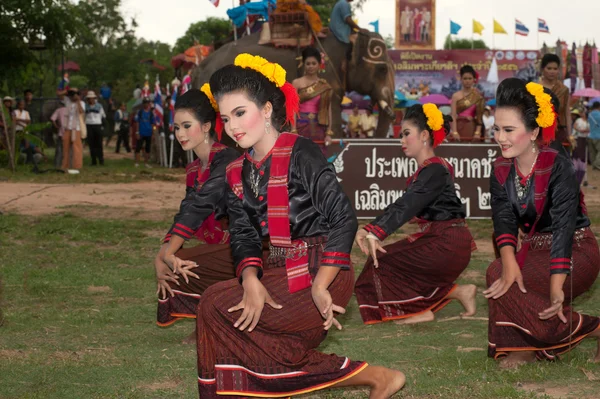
[(202, 200), (318, 207), (562, 214), (431, 196)]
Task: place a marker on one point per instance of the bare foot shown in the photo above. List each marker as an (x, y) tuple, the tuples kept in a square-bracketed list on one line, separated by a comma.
[(190, 339), (421, 318), (514, 360), (388, 382), (466, 294)]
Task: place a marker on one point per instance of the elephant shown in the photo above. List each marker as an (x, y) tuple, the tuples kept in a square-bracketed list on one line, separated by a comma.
[(369, 71)]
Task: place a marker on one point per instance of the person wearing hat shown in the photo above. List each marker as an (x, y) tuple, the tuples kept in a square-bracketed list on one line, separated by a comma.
[(72, 145), (581, 131), (94, 113)]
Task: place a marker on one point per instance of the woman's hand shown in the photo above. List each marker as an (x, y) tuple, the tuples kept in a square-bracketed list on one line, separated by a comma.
[(164, 274), (323, 302), (511, 273), (180, 266), (557, 297), (369, 245), (253, 302)]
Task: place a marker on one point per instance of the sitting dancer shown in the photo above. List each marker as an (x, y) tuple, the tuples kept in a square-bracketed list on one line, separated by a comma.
[(258, 333), (200, 215), (415, 277), (534, 189)]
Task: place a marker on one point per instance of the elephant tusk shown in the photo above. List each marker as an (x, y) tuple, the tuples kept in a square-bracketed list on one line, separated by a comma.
[(383, 104)]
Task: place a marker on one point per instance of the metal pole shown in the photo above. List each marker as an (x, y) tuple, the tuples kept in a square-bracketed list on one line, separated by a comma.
[(171, 158)]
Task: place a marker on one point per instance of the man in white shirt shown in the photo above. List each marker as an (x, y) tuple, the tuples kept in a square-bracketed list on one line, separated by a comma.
[(94, 113), (368, 123), (22, 118)]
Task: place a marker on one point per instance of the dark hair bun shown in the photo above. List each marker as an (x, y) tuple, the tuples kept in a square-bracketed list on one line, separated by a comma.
[(467, 69), (512, 93), (416, 115), (311, 52), (256, 86), (198, 103)]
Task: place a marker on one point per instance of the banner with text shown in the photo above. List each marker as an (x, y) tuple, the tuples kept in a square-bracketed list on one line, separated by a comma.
[(422, 72), (373, 173)]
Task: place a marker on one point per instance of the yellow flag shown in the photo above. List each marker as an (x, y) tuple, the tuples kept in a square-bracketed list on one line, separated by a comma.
[(477, 27), (498, 28)]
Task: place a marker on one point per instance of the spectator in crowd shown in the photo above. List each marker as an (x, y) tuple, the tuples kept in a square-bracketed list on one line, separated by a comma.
[(21, 116), (146, 120), (94, 113), (59, 120), (33, 109), (354, 123), (368, 123), (111, 110), (7, 105), (594, 137), (488, 123), (75, 122), (122, 128), (179, 155), (30, 153), (581, 131)]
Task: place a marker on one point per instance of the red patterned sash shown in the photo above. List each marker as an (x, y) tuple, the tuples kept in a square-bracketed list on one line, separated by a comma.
[(278, 207)]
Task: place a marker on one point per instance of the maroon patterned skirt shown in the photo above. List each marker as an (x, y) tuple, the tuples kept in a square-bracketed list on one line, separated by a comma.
[(279, 357), (214, 264), (514, 324), (416, 275)]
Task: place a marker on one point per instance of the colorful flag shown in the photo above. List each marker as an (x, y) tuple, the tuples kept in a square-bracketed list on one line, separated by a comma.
[(214, 2), (543, 26), (477, 27), (172, 108), (158, 109), (499, 28), (520, 28), (454, 28), (375, 25)]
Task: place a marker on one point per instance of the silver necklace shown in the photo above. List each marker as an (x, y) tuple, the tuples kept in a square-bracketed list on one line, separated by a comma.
[(521, 188), (254, 181)]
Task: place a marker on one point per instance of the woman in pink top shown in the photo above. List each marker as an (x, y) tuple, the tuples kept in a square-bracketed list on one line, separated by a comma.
[(315, 100), (467, 107)]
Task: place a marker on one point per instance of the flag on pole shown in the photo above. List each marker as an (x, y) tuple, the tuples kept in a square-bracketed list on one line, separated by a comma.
[(375, 25), (543, 26), (454, 28), (499, 28), (477, 27), (214, 2), (158, 109), (520, 28)]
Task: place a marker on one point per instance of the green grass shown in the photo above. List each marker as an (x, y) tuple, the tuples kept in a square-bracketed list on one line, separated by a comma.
[(114, 171), (79, 322)]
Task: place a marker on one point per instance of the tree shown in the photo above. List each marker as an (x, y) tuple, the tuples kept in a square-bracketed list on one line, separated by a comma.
[(205, 32), (464, 44)]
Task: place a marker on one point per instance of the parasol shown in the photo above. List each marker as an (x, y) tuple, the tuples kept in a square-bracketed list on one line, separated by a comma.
[(180, 60), (437, 99), (197, 53), (69, 66), (587, 92)]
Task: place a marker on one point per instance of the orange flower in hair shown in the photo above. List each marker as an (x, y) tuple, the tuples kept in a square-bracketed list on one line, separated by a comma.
[(206, 90)]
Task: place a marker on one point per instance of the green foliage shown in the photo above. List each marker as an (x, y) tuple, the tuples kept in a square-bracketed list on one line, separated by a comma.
[(206, 32), (462, 44)]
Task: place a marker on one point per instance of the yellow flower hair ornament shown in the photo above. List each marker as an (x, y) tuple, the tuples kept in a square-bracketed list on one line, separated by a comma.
[(435, 121), (276, 74), (218, 122), (547, 118)]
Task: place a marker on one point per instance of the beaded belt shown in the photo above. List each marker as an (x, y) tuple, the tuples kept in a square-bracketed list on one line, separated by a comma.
[(296, 252), (544, 240), (309, 115)]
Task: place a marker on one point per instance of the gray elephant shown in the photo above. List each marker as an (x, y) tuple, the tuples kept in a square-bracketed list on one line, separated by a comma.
[(368, 72)]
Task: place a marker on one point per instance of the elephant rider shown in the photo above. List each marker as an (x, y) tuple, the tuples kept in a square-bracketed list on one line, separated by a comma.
[(342, 25)]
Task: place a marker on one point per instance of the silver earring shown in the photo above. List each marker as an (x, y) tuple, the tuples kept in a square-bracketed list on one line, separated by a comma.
[(206, 139), (533, 150), (267, 127), (425, 143)]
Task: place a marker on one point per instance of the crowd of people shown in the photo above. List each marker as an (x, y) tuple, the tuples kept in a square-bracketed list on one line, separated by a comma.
[(274, 268)]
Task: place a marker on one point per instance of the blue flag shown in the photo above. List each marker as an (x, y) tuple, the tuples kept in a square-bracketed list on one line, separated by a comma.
[(454, 28), (375, 25)]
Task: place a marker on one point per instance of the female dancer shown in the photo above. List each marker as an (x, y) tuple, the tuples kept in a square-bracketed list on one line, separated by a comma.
[(415, 277), (534, 189), (315, 99), (244, 347), (200, 215), (467, 107), (550, 80)]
